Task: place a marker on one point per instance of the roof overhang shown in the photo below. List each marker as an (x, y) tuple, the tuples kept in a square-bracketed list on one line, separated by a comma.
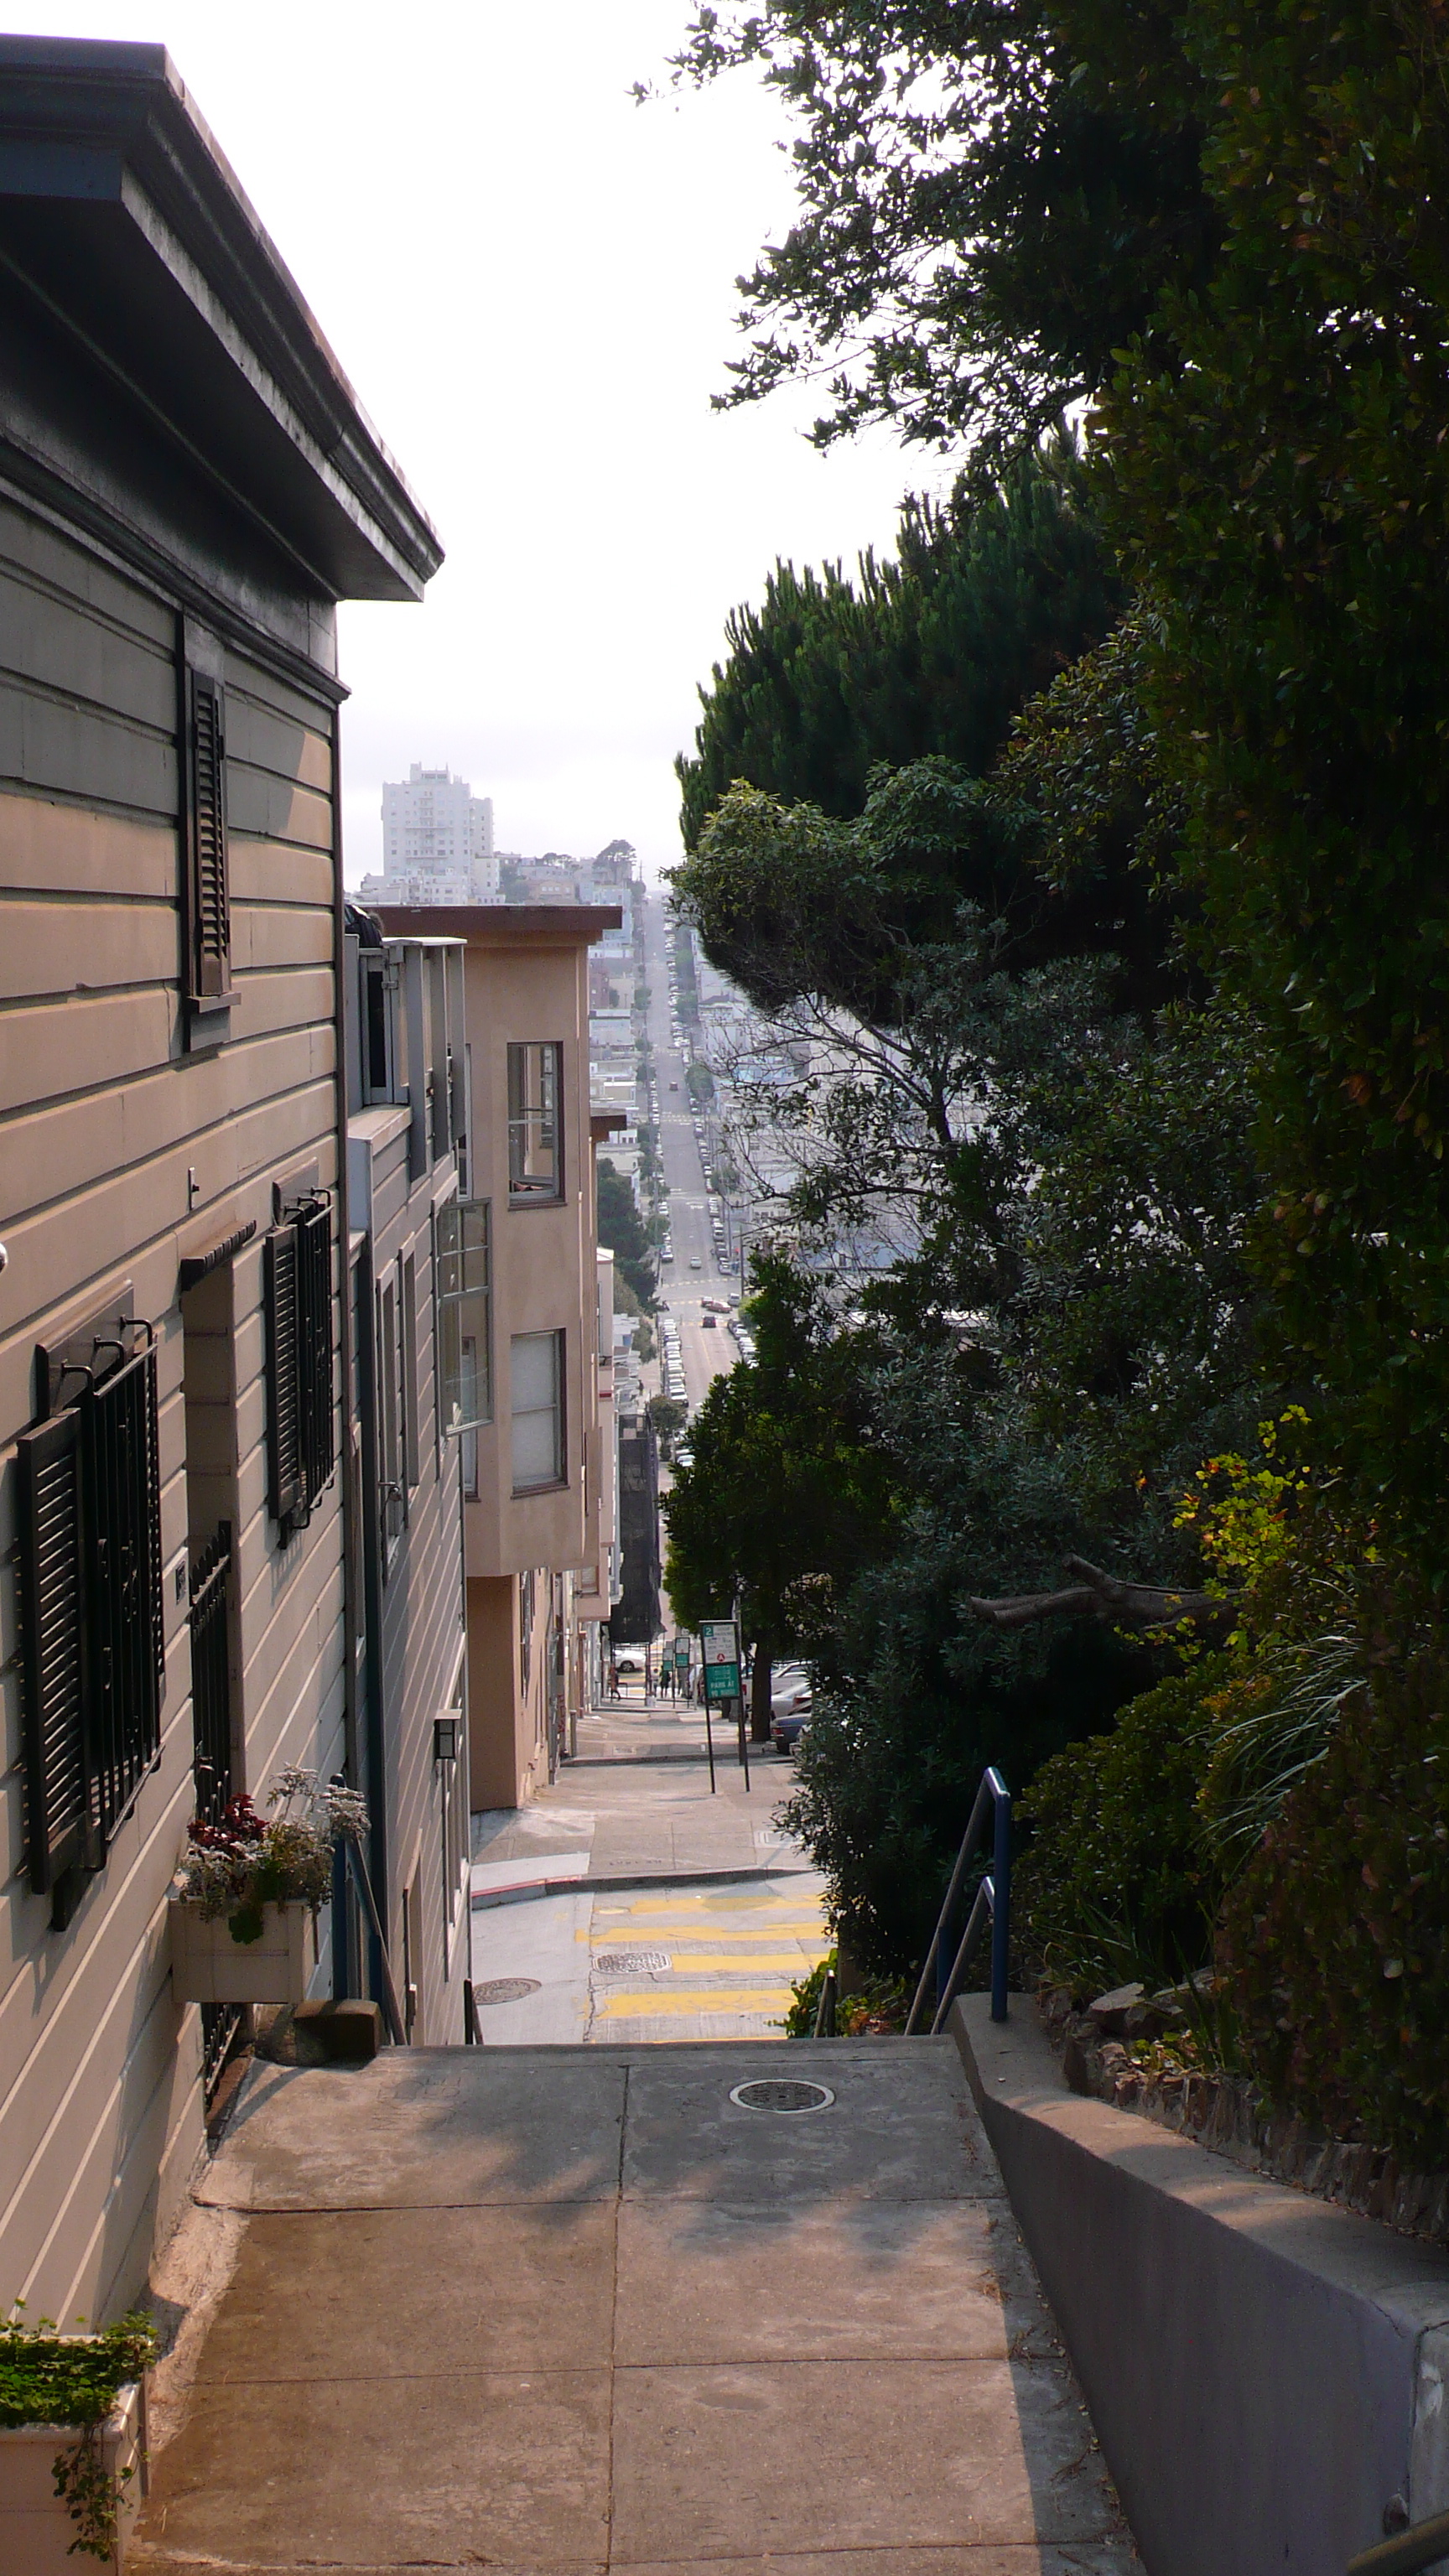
[(121, 215), (500, 926)]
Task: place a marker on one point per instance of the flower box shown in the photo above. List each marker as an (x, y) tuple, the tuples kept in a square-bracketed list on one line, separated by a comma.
[(209, 1967), (37, 2530)]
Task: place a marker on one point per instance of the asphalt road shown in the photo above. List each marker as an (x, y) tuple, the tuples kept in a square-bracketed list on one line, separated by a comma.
[(707, 1351)]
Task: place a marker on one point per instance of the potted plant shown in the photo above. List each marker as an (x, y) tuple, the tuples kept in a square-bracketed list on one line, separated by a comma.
[(77, 2499), (244, 1901)]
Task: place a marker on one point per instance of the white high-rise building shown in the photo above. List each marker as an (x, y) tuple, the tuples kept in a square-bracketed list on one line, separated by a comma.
[(437, 842)]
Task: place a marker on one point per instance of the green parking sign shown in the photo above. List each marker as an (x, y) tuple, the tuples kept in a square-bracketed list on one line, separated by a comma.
[(720, 1649)]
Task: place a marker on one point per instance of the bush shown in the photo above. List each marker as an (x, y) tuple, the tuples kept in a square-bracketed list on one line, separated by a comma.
[(1334, 1944), (876, 2008), (1117, 1882)]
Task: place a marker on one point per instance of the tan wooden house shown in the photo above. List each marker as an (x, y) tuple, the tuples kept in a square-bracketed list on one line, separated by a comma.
[(187, 488)]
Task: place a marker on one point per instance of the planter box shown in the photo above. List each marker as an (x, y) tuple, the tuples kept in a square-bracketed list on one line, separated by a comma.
[(36, 2530), (209, 1967)]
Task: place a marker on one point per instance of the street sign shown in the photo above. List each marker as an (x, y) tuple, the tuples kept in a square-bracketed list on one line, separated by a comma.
[(720, 1647)]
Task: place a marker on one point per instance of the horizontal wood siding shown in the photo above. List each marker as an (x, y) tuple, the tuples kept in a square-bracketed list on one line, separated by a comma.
[(422, 1619), (119, 1153)]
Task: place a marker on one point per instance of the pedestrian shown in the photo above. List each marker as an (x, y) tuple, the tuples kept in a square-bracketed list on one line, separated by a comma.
[(613, 1679)]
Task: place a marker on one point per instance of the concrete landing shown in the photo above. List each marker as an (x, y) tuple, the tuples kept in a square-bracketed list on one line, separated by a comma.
[(557, 2312)]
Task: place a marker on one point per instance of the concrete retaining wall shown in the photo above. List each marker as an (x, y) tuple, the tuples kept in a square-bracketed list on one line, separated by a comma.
[(1266, 2373)]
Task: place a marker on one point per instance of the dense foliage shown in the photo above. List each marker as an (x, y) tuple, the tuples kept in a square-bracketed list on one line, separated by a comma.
[(992, 196), (1116, 1882), (1279, 479), (1210, 1170), (784, 1498), (622, 1231), (929, 652), (50, 2378), (1335, 1940)]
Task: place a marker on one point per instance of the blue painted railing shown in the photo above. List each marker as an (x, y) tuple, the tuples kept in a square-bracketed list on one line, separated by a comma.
[(992, 1905)]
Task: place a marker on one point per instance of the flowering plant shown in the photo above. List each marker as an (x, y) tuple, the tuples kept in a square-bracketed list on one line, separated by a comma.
[(248, 1861)]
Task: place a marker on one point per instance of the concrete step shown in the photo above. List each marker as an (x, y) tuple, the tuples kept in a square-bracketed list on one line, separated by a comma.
[(575, 2310)]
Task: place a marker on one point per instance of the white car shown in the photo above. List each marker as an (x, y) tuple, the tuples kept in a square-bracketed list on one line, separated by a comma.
[(790, 1690)]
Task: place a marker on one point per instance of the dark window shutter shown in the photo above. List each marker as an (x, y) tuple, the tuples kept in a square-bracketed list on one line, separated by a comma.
[(210, 923), (287, 1490), (314, 1343), (52, 1599), (125, 1622)]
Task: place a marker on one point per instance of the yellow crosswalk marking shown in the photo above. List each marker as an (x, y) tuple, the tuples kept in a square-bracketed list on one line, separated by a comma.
[(704, 1964), (704, 1999)]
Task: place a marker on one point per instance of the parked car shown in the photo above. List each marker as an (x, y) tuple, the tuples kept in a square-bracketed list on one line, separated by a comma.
[(789, 1689), (628, 1660)]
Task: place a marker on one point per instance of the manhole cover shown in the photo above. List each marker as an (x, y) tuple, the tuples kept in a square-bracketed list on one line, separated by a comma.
[(505, 1990), (781, 2094), (621, 1963)]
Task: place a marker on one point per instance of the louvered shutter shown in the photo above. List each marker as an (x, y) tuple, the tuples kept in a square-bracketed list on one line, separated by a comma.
[(287, 1489), (53, 1646), (314, 1343), (210, 926), (125, 1625)]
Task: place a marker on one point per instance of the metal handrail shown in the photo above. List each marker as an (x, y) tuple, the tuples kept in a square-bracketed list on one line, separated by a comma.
[(1409, 2553), (390, 2004), (993, 1900)]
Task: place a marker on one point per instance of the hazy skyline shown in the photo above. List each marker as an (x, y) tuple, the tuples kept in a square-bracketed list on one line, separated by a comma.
[(530, 281)]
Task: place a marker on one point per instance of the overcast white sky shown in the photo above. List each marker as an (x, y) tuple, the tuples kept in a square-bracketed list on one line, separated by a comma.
[(530, 282)]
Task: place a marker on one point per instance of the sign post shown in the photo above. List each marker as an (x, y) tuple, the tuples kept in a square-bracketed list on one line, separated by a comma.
[(720, 1654)]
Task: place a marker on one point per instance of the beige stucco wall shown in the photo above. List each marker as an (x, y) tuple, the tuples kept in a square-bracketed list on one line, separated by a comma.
[(526, 980)]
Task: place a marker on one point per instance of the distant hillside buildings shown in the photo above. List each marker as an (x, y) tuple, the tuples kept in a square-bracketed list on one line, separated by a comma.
[(437, 843)]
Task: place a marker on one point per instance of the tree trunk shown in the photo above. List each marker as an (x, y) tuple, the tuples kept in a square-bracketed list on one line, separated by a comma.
[(760, 1696)]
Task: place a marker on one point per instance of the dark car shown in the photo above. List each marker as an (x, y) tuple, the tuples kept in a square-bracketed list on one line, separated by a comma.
[(785, 1732), (790, 1704)]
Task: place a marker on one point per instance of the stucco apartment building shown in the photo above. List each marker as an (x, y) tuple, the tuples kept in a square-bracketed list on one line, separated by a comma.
[(187, 488), (537, 1453), (407, 1145)]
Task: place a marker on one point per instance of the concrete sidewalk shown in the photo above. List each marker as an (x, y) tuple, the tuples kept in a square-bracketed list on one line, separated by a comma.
[(567, 2313), (636, 1802), (679, 1914)]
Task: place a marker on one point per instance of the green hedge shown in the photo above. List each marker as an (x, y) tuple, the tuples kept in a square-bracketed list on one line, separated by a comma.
[(1115, 1882), (1335, 1939)]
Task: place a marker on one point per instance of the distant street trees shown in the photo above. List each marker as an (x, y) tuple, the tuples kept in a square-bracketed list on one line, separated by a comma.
[(622, 1232)]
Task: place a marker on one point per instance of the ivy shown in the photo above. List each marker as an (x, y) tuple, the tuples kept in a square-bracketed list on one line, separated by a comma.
[(74, 2380)]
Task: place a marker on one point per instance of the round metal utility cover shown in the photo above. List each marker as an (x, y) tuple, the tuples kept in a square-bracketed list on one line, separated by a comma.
[(624, 1963), (776, 2093), (505, 1990)]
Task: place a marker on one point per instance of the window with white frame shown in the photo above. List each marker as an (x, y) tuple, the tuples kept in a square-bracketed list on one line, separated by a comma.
[(535, 1140), (464, 1274), (536, 1368)]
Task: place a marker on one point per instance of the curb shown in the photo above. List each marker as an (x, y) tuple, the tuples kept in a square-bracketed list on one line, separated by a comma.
[(532, 1888)]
